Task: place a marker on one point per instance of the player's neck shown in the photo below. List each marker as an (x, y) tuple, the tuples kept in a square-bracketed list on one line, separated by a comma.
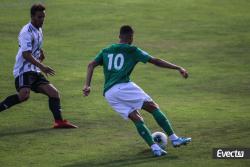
[(124, 42), (34, 25)]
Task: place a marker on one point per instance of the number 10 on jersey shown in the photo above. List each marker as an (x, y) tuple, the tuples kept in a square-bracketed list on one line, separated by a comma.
[(117, 63)]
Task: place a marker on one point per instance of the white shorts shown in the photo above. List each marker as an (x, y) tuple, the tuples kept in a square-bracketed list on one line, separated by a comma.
[(126, 98)]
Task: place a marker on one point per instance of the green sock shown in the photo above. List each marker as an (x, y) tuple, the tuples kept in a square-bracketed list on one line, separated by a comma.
[(144, 132), (162, 121)]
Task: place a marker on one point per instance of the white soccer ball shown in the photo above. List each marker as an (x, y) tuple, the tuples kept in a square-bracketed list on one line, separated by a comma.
[(160, 139)]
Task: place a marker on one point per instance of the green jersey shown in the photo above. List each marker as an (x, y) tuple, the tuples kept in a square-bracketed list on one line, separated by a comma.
[(118, 61)]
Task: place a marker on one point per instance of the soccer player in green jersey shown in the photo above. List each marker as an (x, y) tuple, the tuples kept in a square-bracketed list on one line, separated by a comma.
[(125, 97)]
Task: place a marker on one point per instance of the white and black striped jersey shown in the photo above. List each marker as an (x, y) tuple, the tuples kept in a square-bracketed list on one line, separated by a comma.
[(30, 39)]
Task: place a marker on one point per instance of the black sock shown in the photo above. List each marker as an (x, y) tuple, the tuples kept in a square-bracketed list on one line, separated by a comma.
[(55, 107), (9, 102)]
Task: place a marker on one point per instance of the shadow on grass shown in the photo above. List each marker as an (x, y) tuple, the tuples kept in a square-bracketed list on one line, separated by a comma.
[(141, 158), (25, 132)]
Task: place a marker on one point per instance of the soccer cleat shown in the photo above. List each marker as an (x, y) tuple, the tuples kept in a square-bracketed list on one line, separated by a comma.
[(181, 141), (158, 153), (63, 124)]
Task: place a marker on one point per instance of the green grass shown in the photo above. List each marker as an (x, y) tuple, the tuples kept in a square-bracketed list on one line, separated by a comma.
[(210, 38)]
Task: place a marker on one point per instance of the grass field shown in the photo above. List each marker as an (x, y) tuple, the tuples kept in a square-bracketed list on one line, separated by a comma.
[(210, 38)]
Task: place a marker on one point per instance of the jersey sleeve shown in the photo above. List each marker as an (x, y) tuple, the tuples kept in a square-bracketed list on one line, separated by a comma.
[(99, 58), (142, 56), (25, 41)]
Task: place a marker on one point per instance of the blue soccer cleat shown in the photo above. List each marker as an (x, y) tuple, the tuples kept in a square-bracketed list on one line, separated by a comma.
[(158, 153), (181, 141)]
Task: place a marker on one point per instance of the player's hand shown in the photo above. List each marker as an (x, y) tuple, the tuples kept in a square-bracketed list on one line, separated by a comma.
[(86, 90), (183, 72), (48, 71)]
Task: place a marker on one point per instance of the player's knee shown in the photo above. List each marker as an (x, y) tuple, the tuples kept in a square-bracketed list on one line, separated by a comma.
[(150, 106), (155, 105), (55, 93), (139, 118), (24, 96), (135, 117)]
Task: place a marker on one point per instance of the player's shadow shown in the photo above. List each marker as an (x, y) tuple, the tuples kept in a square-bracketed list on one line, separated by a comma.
[(31, 131), (141, 158)]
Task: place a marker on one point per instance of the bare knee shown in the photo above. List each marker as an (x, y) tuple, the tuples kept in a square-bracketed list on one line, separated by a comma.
[(55, 94), (24, 95), (150, 106), (135, 116), (51, 91)]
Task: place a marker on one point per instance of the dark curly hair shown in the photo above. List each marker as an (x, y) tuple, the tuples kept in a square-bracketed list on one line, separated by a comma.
[(35, 8), (126, 29)]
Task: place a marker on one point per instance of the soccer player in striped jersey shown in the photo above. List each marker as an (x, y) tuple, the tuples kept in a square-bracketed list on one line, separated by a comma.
[(29, 67), (127, 98)]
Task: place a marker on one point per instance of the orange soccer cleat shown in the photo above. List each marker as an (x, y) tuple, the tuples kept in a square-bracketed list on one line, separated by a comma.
[(63, 124)]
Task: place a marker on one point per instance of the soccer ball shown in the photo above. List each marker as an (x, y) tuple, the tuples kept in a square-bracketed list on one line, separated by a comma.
[(160, 139)]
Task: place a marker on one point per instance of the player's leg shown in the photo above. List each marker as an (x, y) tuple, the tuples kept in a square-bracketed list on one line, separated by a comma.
[(164, 123), (14, 99), (145, 133), (141, 127), (160, 117), (54, 99), (54, 105), (22, 84)]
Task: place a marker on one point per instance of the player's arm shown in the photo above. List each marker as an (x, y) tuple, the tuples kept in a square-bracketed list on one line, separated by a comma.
[(165, 64), (42, 56), (27, 55), (90, 70)]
